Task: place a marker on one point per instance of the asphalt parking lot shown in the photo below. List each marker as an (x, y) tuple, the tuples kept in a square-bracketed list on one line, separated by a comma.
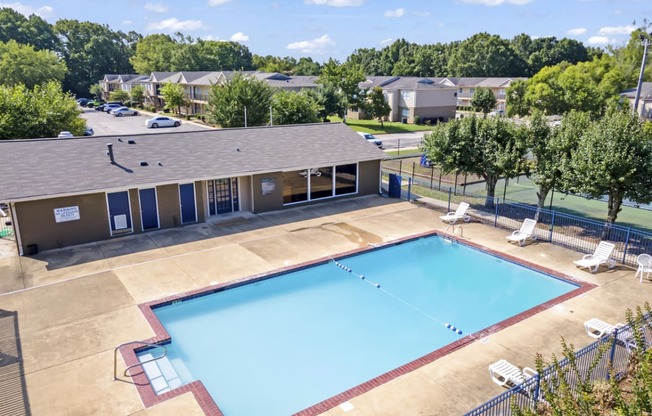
[(106, 124)]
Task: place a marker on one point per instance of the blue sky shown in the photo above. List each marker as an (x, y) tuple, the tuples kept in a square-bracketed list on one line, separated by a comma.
[(322, 29)]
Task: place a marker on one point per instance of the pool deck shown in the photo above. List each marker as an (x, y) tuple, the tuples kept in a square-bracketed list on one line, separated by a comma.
[(75, 305)]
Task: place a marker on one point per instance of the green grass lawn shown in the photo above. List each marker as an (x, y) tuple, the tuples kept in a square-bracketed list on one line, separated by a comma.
[(374, 127)]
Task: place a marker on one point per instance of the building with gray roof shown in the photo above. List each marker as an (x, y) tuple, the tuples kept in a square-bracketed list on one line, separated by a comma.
[(64, 192)]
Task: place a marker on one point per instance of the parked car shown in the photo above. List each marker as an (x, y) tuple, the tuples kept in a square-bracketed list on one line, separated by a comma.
[(371, 138), (111, 106), (89, 132), (124, 111), (83, 101), (65, 135), (94, 103), (162, 121), (108, 106)]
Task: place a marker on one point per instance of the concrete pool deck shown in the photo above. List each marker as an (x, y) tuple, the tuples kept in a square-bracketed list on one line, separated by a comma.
[(75, 305)]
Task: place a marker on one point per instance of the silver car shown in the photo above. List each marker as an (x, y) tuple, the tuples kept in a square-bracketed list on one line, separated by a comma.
[(124, 111)]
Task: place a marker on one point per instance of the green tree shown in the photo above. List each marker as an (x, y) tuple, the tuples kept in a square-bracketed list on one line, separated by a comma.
[(331, 101), (96, 91), (345, 78), (628, 58), (137, 94), (119, 95), (306, 66), (153, 53), (515, 99), (228, 103), (210, 55), (90, 51), (174, 96), (21, 64), (551, 149), (290, 107), (32, 30), (485, 55), (40, 112), (488, 147), (377, 107), (483, 100), (613, 158)]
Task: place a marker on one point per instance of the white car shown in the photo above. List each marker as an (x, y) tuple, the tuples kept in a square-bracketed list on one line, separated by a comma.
[(162, 121), (65, 135), (371, 138), (124, 111)]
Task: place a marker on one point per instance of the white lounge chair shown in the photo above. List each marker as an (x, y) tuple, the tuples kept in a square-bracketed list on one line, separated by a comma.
[(597, 329), (526, 231), (508, 375), (459, 214), (644, 266), (600, 256)]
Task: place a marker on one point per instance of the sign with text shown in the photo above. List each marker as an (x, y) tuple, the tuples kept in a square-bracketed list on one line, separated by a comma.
[(66, 214)]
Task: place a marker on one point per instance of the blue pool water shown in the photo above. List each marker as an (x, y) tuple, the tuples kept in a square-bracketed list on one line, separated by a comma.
[(281, 345)]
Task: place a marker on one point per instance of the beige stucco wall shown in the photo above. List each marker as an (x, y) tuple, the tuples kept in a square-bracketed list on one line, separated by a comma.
[(37, 225), (169, 209), (271, 201)]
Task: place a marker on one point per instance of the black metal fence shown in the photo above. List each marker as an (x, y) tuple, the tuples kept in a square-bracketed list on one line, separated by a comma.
[(607, 357), (566, 230), (6, 224)]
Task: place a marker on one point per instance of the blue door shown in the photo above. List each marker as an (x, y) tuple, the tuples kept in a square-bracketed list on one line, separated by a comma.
[(148, 211), (119, 212), (187, 198)]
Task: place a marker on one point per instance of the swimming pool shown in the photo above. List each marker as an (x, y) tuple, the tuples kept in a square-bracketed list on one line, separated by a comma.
[(280, 345)]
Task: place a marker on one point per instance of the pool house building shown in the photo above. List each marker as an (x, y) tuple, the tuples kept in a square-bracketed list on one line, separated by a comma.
[(64, 192)]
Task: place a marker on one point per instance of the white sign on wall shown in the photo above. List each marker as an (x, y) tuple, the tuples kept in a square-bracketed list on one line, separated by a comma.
[(66, 214)]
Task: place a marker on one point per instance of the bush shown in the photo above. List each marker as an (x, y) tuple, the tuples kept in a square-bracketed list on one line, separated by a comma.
[(417, 120), (166, 110)]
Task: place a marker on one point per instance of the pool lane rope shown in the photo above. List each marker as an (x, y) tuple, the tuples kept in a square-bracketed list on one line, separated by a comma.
[(416, 308)]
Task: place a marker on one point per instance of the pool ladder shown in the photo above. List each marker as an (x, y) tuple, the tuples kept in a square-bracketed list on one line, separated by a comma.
[(452, 225), (115, 357)]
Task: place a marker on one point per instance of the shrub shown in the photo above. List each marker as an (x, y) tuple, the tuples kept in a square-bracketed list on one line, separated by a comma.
[(417, 120)]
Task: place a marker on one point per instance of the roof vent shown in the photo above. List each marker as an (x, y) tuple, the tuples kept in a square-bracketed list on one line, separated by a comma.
[(110, 152), (131, 142), (119, 139), (160, 164), (237, 149), (144, 163)]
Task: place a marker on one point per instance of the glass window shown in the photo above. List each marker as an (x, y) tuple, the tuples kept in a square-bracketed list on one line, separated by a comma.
[(321, 183), (295, 186), (471, 90), (345, 179)]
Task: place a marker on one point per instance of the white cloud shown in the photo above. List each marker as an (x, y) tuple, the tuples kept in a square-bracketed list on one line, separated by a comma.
[(395, 13), (386, 42), (175, 25), (336, 3), (616, 30), (217, 2), (43, 11), (497, 2), (576, 31), (156, 7), (600, 40), (239, 37), (317, 46)]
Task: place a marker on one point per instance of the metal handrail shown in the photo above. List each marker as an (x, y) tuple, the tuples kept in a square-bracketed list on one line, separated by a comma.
[(115, 357)]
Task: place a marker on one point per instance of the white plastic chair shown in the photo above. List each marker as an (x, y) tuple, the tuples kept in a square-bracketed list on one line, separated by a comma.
[(526, 231), (460, 213), (508, 375), (597, 329), (600, 256), (644, 266)]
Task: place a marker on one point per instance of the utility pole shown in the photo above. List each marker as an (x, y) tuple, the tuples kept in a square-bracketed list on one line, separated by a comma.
[(645, 37), (646, 42)]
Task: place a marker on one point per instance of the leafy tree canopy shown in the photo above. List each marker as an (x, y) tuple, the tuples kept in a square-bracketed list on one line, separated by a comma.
[(21, 64), (483, 100), (174, 96), (228, 103), (377, 106), (32, 30), (485, 55), (290, 107), (43, 111), (345, 78)]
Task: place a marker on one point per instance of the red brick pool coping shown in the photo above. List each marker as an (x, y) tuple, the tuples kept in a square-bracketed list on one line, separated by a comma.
[(210, 408)]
